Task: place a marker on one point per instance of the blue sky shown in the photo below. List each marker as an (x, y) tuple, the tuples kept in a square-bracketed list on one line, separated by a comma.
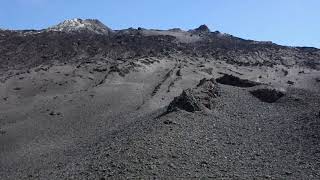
[(287, 22)]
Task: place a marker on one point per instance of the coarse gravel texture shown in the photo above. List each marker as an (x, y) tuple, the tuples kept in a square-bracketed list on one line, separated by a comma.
[(82, 101)]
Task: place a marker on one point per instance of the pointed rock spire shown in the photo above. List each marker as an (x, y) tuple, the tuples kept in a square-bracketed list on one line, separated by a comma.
[(203, 28)]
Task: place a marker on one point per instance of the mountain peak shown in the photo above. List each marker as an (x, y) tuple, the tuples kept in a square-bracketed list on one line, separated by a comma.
[(203, 28), (80, 25)]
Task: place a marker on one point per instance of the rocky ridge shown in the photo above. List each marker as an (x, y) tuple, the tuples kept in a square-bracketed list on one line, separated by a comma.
[(77, 40)]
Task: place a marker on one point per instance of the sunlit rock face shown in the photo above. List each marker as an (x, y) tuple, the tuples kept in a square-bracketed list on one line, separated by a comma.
[(79, 25)]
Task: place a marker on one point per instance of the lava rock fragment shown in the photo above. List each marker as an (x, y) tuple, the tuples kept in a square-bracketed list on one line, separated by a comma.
[(196, 99), (236, 81), (267, 94)]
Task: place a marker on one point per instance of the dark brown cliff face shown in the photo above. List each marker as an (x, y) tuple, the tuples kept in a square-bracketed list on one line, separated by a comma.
[(20, 49)]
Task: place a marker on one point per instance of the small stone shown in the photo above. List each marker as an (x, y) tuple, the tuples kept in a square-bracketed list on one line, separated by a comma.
[(172, 165), (288, 173), (51, 113), (290, 82), (174, 156), (203, 163), (168, 122)]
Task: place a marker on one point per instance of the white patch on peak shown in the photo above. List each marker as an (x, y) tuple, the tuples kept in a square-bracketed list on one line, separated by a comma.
[(79, 25)]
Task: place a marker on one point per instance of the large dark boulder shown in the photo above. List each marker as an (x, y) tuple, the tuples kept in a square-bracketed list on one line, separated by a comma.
[(185, 101), (268, 95), (236, 81), (196, 99)]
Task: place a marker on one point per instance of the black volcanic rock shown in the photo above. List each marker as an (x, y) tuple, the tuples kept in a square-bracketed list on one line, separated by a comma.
[(235, 81), (76, 40), (202, 29), (268, 95), (196, 99), (186, 101)]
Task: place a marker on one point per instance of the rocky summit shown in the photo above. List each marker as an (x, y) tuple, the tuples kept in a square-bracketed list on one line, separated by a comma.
[(78, 25), (79, 100)]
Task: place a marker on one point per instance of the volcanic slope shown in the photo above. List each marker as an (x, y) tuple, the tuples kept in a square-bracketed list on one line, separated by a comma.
[(138, 103)]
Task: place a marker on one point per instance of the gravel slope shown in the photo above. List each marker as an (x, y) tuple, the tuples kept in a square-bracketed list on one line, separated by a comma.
[(242, 138), (92, 106)]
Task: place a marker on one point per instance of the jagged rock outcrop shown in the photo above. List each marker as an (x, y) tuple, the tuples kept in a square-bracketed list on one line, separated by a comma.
[(186, 101), (202, 29), (196, 99)]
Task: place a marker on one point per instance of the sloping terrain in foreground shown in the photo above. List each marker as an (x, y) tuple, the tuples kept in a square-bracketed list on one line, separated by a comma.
[(81, 101)]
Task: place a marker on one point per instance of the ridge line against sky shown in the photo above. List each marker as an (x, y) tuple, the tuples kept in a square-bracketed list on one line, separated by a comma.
[(285, 22)]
